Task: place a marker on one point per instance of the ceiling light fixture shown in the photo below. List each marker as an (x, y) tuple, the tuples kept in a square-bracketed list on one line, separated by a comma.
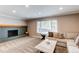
[(26, 5), (39, 13), (60, 8), (14, 11)]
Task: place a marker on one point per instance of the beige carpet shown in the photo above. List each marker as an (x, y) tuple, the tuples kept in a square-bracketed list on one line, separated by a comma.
[(20, 45)]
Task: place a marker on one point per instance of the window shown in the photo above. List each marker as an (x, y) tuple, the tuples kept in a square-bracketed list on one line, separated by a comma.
[(47, 26)]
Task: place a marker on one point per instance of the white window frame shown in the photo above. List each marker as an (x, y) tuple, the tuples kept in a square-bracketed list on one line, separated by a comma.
[(51, 26)]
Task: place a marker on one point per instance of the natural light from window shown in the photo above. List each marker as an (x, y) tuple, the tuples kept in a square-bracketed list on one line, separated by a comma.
[(46, 26)]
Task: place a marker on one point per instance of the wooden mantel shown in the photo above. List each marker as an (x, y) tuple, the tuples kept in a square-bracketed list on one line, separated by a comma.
[(11, 25)]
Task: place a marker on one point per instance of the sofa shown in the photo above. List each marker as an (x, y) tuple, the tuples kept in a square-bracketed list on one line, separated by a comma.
[(62, 41), (65, 42), (73, 45)]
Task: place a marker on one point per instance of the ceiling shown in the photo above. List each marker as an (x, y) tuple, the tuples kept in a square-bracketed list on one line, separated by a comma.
[(36, 11)]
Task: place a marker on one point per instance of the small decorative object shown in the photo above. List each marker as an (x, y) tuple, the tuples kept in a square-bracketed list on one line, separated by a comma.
[(48, 42), (27, 34)]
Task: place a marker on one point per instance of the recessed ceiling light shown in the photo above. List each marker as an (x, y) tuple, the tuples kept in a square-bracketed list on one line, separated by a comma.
[(39, 13), (3, 15), (26, 5), (14, 11), (60, 8)]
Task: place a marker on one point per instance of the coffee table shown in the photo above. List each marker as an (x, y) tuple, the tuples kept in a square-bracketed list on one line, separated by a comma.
[(46, 46)]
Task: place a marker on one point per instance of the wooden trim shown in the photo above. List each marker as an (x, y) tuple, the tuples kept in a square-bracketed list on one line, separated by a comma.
[(11, 25)]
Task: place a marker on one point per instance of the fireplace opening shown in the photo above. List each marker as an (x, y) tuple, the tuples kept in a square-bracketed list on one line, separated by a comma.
[(12, 33)]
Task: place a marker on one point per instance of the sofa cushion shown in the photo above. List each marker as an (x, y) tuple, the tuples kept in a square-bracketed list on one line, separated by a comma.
[(52, 38), (60, 49), (50, 34), (58, 35), (70, 35), (62, 40), (71, 43), (62, 44), (55, 35), (61, 36)]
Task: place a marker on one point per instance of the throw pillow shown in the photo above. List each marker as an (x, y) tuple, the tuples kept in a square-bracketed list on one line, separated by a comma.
[(55, 35), (50, 34), (61, 36)]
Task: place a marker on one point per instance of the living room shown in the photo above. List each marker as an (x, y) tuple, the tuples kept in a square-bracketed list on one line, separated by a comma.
[(39, 29), (27, 28), (65, 24)]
